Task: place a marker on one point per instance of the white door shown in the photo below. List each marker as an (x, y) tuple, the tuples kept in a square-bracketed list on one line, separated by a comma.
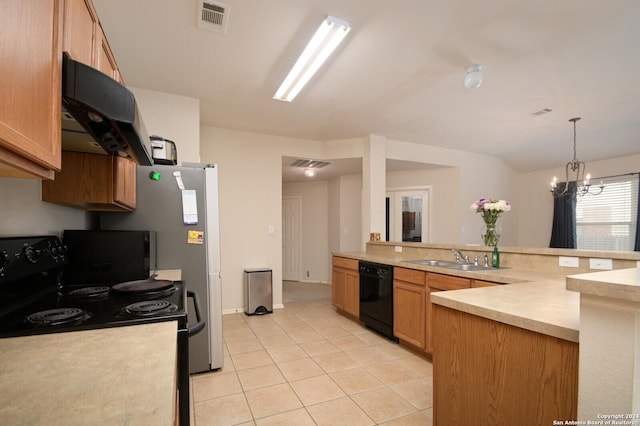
[(409, 215), (291, 238)]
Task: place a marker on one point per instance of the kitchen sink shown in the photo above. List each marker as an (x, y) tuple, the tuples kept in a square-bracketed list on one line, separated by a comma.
[(451, 265), (428, 262)]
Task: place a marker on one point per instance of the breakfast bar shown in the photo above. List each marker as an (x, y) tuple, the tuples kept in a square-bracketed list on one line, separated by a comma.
[(524, 344)]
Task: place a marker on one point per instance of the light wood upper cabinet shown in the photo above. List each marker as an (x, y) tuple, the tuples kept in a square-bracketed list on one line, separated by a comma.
[(31, 52), (106, 62), (84, 38), (93, 182), (80, 28)]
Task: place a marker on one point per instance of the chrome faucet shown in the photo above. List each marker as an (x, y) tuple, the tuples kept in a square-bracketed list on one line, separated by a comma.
[(460, 255)]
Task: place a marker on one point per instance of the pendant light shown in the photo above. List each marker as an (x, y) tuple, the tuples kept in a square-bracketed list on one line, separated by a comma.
[(582, 180)]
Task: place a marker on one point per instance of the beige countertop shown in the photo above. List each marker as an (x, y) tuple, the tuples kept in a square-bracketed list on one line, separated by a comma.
[(118, 376), (533, 300), (543, 306), (623, 284), (502, 275)]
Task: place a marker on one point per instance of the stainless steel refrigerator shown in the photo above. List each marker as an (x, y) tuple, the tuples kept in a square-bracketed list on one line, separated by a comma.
[(180, 203)]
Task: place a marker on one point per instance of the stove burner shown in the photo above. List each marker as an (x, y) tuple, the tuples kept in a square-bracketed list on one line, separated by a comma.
[(58, 316), (143, 286), (150, 308), (90, 292)]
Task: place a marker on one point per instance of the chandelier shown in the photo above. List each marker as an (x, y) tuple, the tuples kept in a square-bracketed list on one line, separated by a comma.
[(582, 181)]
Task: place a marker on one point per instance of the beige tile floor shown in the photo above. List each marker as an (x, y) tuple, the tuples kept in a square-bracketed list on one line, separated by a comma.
[(308, 365)]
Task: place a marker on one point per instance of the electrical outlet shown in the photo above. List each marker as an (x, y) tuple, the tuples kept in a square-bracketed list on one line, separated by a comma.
[(606, 264), (569, 262), (398, 249)]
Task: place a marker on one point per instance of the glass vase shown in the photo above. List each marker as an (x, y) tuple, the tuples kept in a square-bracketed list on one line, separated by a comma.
[(491, 234)]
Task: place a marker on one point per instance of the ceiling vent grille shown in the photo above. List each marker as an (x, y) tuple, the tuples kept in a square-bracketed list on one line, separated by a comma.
[(309, 164), (213, 16)]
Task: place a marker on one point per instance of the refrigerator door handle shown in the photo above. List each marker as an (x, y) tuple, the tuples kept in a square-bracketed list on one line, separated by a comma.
[(199, 325)]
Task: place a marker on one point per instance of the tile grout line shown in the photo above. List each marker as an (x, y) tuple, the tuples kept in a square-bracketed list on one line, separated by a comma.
[(286, 331)]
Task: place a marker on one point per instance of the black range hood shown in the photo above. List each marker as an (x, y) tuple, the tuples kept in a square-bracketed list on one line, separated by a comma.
[(106, 110)]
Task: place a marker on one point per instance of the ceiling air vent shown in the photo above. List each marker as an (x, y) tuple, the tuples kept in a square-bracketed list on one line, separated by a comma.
[(309, 164), (213, 15)]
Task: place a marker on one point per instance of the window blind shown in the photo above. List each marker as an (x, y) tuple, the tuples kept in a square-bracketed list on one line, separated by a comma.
[(608, 221)]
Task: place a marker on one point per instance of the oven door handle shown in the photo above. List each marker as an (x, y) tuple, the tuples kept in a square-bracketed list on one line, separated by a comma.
[(199, 325)]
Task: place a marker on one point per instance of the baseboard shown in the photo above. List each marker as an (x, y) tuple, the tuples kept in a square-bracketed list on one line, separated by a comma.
[(314, 282), (241, 310)]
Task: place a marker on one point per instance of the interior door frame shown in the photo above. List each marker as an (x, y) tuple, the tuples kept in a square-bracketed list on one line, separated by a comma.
[(392, 194)]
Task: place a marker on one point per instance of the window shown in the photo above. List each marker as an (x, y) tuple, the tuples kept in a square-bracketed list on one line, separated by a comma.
[(608, 221)]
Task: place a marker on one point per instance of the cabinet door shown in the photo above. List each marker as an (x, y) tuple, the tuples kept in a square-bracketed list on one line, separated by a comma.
[(31, 34), (105, 61), (481, 283), (91, 181), (440, 282), (80, 28), (409, 312), (124, 192), (337, 288), (352, 293)]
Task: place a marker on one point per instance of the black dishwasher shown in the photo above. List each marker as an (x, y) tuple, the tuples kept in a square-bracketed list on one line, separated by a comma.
[(376, 297)]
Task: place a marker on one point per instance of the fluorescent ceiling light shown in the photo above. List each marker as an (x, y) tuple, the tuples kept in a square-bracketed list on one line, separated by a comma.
[(328, 36)]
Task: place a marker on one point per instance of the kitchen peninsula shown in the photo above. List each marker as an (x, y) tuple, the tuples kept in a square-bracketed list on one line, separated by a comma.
[(506, 353)]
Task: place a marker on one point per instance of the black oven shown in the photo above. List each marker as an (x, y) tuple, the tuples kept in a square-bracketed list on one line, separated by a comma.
[(34, 299)]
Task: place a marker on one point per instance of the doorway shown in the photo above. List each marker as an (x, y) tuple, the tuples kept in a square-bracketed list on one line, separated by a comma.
[(291, 218), (408, 215)]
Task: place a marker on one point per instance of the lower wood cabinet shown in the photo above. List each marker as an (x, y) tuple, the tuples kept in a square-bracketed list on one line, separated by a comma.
[(345, 285), (93, 182), (440, 282), (490, 373), (482, 283), (409, 306)]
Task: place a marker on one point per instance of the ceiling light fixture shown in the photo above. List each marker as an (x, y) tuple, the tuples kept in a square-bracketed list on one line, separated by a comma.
[(578, 168), (328, 36), (309, 173), (473, 79)]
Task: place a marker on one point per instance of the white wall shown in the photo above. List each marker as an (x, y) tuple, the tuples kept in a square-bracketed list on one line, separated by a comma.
[(535, 204), (314, 228), (250, 175), (22, 212), (345, 216), (479, 176), (173, 117), (350, 212), (444, 183)]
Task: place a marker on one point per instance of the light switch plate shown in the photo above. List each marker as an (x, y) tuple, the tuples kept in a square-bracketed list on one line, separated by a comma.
[(606, 264), (398, 249), (569, 262)]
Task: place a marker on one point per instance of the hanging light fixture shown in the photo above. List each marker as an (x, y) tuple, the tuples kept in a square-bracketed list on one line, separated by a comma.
[(583, 182)]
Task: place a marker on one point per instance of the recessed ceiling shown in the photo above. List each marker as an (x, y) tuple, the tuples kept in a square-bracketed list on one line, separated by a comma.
[(400, 71)]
